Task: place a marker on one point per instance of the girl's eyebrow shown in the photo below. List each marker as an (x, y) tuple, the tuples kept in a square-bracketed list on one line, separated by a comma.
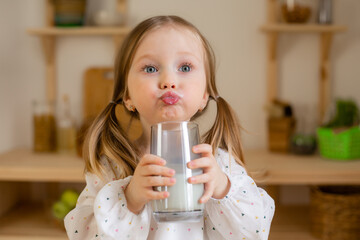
[(145, 56), (151, 56), (191, 55)]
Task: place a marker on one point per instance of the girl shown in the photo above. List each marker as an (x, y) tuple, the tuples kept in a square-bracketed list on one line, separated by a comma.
[(165, 72)]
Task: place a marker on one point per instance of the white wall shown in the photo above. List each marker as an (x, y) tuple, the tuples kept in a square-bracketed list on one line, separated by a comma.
[(232, 28)]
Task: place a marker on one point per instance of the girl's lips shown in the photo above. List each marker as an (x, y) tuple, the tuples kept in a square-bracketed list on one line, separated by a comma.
[(170, 98)]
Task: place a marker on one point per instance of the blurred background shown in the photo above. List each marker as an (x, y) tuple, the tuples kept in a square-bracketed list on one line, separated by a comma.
[(242, 50)]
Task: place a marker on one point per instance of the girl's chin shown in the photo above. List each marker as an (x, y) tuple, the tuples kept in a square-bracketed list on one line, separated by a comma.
[(174, 115), (169, 119), (172, 119), (170, 114)]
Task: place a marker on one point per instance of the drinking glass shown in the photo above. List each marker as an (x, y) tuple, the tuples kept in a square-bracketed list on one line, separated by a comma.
[(173, 141)]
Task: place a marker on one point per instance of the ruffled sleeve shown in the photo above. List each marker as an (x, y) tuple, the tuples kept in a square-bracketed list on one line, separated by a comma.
[(247, 210), (102, 213)]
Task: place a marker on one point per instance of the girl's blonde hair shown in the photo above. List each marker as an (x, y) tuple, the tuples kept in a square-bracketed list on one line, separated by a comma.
[(106, 138)]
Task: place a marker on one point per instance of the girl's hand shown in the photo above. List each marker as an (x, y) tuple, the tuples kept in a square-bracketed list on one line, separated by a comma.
[(216, 183), (146, 176)]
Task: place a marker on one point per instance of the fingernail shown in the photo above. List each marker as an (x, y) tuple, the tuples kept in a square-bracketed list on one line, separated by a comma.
[(190, 164), (172, 171), (191, 179), (172, 180), (166, 194)]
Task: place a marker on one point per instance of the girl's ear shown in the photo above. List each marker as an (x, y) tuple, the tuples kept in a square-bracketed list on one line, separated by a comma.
[(204, 101), (129, 105)]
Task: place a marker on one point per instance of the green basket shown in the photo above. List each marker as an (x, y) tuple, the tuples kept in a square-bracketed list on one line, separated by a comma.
[(339, 146)]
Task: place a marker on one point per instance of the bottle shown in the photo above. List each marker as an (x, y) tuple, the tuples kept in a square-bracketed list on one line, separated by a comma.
[(66, 129), (44, 126), (325, 12)]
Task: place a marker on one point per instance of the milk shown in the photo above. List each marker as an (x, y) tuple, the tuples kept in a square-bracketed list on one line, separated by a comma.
[(183, 196), (173, 141)]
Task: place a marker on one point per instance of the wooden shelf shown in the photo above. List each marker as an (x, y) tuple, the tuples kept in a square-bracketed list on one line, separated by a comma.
[(275, 168), (48, 36), (30, 223), (273, 29), (271, 168), (291, 222), (295, 169), (302, 28), (79, 31), (25, 165)]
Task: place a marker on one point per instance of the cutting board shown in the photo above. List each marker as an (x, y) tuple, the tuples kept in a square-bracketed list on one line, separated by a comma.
[(98, 90)]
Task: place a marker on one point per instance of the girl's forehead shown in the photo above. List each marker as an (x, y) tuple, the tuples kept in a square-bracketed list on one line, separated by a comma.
[(163, 29), (171, 35)]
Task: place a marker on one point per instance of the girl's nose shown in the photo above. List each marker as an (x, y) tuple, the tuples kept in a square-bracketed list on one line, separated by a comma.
[(167, 80), (167, 85)]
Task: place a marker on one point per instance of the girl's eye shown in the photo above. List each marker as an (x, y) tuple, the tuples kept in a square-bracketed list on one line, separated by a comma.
[(185, 68), (150, 69)]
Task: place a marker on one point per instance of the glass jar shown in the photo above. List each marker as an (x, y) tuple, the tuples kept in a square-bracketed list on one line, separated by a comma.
[(44, 125), (69, 13), (296, 11), (106, 14)]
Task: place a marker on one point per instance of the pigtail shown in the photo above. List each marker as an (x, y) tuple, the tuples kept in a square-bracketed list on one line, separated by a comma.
[(225, 132), (106, 138)]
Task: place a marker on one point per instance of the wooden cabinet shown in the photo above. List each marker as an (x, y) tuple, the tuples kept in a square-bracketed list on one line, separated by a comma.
[(28, 221), (32, 222), (19, 168), (50, 33), (294, 222), (273, 29)]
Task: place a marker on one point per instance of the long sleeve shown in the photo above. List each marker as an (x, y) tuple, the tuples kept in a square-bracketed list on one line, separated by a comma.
[(245, 213), (102, 213)]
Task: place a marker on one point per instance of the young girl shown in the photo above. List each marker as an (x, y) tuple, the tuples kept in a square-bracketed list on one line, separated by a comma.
[(165, 72)]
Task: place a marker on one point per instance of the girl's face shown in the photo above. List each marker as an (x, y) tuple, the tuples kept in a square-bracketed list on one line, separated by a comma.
[(167, 80)]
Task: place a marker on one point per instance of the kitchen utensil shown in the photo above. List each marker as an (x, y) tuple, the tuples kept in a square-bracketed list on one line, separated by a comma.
[(97, 93), (98, 89)]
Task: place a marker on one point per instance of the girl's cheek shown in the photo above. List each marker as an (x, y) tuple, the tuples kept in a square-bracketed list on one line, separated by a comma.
[(153, 95)]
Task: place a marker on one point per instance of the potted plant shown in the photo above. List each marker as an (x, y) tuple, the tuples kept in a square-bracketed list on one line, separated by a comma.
[(340, 138)]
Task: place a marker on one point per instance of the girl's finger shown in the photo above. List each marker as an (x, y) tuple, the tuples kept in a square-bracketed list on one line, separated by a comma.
[(159, 181), (209, 189), (151, 159), (204, 148), (203, 162), (154, 195), (203, 178), (155, 170)]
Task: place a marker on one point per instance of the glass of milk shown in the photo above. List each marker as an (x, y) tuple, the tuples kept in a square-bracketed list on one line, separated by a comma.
[(173, 141)]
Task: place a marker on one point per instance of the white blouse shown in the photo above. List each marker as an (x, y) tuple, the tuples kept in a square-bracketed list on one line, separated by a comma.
[(101, 212)]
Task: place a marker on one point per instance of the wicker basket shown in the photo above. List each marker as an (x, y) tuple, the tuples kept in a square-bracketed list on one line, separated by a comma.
[(335, 212)]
